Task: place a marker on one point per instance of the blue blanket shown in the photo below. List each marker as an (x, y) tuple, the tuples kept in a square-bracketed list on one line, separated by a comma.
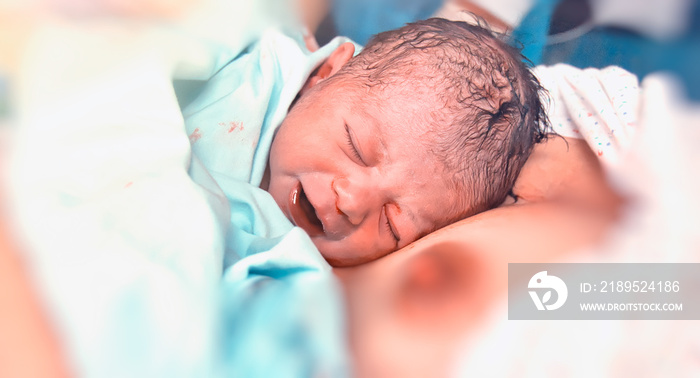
[(127, 229)]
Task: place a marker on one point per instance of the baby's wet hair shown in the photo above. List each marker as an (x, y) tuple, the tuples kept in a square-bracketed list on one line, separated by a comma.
[(492, 114)]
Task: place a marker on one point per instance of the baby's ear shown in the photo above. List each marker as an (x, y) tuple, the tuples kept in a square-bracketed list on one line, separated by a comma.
[(330, 66)]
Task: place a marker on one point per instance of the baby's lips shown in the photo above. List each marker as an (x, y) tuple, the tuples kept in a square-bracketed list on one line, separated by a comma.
[(303, 213)]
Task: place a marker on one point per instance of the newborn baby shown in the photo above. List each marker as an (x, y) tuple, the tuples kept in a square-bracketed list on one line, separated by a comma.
[(429, 124)]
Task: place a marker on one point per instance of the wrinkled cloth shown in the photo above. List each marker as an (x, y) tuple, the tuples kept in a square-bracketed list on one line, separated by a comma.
[(231, 122), (126, 219)]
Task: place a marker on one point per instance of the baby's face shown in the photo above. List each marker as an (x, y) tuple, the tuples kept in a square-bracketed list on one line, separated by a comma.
[(347, 169)]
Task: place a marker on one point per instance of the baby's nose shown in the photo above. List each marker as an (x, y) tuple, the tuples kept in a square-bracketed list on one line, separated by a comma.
[(355, 198)]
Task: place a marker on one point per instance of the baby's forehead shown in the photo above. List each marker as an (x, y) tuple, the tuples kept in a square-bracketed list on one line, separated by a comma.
[(405, 114)]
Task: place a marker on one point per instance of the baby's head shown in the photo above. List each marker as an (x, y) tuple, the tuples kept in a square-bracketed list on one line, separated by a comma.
[(429, 124)]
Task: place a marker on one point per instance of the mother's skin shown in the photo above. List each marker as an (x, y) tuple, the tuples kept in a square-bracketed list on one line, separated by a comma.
[(410, 311)]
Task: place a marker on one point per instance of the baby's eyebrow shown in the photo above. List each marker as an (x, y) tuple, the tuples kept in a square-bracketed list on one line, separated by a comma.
[(382, 150), (379, 148)]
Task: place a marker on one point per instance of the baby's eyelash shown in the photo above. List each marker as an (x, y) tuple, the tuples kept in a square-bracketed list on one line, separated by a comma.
[(388, 226), (355, 152)]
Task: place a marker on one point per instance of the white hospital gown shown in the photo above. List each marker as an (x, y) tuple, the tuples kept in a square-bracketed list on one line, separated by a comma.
[(600, 106)]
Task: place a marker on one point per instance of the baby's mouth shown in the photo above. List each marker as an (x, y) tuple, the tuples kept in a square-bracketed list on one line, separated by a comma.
[(303, 213)]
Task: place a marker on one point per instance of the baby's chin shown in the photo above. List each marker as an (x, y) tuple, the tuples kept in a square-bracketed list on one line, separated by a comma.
[(339, 256)]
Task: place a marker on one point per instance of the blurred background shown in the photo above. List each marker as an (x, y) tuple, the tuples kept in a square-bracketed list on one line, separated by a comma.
[(641, 36)]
